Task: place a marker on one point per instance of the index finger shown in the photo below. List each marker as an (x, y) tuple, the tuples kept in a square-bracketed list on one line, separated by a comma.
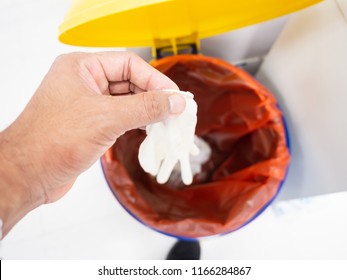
[(127, 66)]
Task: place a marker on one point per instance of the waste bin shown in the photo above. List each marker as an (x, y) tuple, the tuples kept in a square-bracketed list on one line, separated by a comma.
[(237, 116)]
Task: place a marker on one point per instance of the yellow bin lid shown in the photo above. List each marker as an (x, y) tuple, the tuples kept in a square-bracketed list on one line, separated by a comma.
[(129, 23)]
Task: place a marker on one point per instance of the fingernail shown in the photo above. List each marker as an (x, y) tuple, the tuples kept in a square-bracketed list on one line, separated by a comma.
[(177, 103)]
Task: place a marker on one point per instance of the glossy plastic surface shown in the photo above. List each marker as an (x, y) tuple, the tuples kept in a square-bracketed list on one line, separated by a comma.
[(124, 23)]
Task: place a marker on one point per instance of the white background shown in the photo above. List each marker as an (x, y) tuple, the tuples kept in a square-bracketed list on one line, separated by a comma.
[(89, 224)]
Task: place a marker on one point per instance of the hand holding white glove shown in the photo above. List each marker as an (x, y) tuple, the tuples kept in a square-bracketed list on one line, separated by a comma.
[(169, 142)]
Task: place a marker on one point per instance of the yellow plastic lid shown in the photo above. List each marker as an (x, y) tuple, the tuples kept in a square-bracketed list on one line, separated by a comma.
[(129, 23)]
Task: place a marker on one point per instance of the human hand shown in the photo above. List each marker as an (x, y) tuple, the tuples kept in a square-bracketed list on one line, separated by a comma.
[(85, 102)]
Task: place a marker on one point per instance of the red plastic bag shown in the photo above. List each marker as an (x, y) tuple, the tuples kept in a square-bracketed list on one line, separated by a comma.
[(240, 120)]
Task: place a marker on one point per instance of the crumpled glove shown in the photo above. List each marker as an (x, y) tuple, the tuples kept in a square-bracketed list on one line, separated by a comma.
[(196, 162), (169, 142)]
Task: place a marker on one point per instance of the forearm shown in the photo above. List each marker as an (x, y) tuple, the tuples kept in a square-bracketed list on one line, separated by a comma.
[(16, 199), (14, 205)]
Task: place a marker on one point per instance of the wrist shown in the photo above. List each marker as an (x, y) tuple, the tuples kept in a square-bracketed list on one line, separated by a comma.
[(16, 198)]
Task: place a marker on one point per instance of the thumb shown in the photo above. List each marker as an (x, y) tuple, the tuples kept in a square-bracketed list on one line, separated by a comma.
[(134, 111)]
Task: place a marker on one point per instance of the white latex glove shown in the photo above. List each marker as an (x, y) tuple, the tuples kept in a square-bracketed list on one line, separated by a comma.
[(196, 162), (169, 142)]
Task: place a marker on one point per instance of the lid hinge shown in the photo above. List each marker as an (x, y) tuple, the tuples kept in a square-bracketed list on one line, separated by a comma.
[(173, 46)]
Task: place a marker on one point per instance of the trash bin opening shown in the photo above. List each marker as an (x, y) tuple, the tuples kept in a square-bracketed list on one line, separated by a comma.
[(240, 120)]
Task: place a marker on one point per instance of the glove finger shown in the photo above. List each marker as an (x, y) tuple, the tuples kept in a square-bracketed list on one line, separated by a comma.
[(148, 159), (166, 169), (186, 171)]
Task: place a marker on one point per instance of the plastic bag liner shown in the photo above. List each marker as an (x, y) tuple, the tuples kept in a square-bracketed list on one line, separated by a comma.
[(239, 119)]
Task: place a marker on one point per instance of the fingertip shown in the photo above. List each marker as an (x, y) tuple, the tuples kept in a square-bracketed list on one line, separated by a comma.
[(177, 103)]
